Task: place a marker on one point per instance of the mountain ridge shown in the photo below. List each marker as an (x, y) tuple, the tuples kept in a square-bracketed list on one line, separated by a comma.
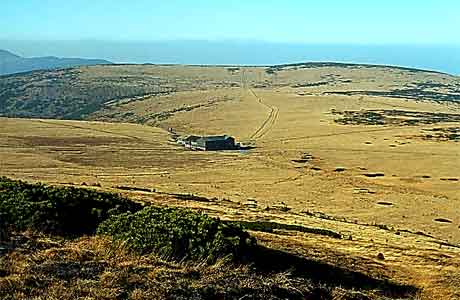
[(4, 54), (11, 63)]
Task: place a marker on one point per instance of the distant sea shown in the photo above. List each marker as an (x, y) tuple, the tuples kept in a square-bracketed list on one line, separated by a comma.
[(442, 58)]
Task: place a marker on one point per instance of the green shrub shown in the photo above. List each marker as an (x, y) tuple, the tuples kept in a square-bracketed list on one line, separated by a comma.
[(60, 210), (178, 234)]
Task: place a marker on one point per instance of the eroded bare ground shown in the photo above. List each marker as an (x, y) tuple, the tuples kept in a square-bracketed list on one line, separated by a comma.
[(391, 192)]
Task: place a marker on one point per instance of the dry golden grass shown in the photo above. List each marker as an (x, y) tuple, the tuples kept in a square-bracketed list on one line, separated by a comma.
[(40, 267), (393, 215)]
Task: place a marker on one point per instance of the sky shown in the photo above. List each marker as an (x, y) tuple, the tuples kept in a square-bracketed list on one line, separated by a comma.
[(293, 21), (414, 33)]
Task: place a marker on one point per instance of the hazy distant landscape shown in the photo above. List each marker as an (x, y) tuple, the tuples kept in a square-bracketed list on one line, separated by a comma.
[(11, 63), (442, 58)]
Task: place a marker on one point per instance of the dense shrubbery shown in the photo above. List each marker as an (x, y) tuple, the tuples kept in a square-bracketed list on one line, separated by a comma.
[(171, 232), (178, 234), (67, 94), (60, 210), (3, 228)]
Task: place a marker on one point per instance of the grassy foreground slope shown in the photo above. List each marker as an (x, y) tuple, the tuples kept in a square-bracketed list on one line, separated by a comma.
[(65, 264), (354, 168)]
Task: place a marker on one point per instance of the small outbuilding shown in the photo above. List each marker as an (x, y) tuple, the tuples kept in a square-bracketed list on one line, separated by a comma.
[(209, 143)]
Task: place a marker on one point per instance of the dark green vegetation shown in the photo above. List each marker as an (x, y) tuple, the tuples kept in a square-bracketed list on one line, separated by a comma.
[(410, 93), (76, 93), (443, 134), (178, 233), (63, 265), (68, 211), (418, 91), (11, 63), (311, 65), (393, 117), (64, 94), (57, 210)]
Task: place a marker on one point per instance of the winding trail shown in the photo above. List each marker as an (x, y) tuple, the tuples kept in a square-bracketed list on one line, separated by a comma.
[(269, 121)]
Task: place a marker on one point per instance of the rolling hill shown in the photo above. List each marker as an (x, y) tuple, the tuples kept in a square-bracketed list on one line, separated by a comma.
[(77, 93), (350, 166), (11, 63)]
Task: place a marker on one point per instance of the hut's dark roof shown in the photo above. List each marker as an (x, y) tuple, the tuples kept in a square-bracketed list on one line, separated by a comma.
[(215, 138), (192, 138)]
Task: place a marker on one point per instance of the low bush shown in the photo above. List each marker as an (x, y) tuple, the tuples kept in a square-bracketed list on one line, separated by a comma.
[(178, 234), (171, 232), (59, 210)]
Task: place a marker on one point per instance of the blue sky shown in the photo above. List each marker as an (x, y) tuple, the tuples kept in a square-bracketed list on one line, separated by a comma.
[(293, 21), (414, 33)]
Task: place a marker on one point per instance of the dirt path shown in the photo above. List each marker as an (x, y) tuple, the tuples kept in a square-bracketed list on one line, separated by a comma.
[(269, 121)]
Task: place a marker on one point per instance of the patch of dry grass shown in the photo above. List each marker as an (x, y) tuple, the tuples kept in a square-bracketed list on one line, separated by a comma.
[(41, 267)]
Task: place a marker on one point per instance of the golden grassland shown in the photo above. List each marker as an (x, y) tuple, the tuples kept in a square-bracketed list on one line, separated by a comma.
[(43, 267), (305, 168)]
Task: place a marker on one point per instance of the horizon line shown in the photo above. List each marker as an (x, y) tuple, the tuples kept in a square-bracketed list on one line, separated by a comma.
[(319, 43)]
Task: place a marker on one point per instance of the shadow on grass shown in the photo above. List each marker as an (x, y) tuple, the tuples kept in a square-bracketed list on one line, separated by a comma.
[(267, 226), (266, 260), (246, 148)]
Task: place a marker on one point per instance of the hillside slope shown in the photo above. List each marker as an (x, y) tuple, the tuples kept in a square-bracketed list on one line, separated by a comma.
[(79, 92), (366, 153), (339, 224), (105, 254)]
